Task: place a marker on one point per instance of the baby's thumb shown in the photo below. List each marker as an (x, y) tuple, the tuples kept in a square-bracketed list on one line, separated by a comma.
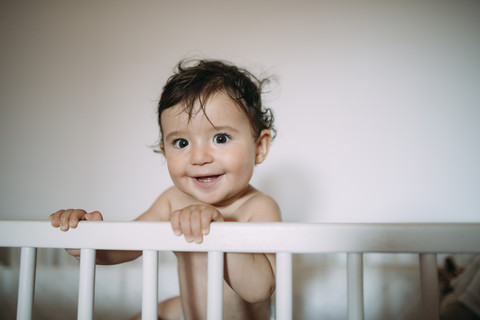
[(94, 215)]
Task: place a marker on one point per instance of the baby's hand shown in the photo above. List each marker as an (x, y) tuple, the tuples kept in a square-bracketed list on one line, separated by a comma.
[(194, 221), (66, 219)]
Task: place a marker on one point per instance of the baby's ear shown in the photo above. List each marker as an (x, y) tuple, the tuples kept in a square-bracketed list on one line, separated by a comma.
[(263, 145)]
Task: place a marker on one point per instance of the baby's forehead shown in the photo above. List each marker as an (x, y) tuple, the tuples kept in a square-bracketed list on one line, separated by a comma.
[(215, 104), (218, 111)]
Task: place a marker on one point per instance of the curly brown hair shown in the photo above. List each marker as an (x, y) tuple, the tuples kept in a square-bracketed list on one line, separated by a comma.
[(197, 80)]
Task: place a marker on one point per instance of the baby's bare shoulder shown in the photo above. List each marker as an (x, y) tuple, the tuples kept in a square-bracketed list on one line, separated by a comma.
[(161, 208), (170, 200), (261, 208)]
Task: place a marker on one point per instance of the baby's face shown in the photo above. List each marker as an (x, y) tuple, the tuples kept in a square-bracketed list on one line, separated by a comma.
[(211, 161)]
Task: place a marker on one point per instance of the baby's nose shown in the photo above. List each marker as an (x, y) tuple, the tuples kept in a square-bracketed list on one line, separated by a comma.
[(201, 155)]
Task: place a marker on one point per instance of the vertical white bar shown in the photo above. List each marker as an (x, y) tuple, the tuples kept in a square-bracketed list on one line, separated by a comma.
[(86, 290), (283, 294), (26, 286), (215, 286), (429, 282), (150, 285), (355, 286)]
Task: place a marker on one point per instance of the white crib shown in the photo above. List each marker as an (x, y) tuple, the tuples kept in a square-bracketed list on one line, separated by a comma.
[(284, 239)]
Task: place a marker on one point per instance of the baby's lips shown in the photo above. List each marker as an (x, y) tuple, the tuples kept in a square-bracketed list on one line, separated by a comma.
[(207, 178)]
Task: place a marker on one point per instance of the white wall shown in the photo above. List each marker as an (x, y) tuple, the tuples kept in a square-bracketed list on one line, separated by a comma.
[(377, 104)]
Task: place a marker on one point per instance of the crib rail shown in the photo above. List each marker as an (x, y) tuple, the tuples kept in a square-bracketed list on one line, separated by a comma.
[(283, 239)]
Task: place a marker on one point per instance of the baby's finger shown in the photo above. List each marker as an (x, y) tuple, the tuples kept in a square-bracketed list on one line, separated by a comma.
[(69, 218), (196, 226), (64, 219), (94, 216), (76, 216), (185, 223), (175, 222), (206, 221), (55, 218)]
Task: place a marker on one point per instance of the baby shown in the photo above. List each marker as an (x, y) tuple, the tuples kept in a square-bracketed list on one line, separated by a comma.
[(214, 130)]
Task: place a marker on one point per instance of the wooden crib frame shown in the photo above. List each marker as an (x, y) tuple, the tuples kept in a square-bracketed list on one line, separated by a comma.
[(283, 239)]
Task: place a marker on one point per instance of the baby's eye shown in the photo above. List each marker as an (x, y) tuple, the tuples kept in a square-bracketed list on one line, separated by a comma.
[(180, 143), (221, 138)]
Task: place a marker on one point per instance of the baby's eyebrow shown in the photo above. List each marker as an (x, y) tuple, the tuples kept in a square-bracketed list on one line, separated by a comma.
[(173, 134), (226, 128)]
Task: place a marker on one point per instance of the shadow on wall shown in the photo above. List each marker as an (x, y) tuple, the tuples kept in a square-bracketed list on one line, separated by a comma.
[(292, 187)]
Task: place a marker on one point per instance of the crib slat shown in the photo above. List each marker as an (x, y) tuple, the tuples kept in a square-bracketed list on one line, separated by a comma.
[(429, 283), (150, 285), (215, 285), (86, 290), (355, 286), (26, 287), (284, 286)]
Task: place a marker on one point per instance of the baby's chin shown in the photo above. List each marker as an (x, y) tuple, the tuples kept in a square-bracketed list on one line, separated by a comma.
[(203, 197), (216, 196), (214, 200)]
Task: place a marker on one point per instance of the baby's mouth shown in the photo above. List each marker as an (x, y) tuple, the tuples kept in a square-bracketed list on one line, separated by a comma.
[(207, 181)]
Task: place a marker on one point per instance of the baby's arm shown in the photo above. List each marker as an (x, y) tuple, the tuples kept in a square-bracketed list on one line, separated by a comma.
[(66, 219), (252, 275)]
